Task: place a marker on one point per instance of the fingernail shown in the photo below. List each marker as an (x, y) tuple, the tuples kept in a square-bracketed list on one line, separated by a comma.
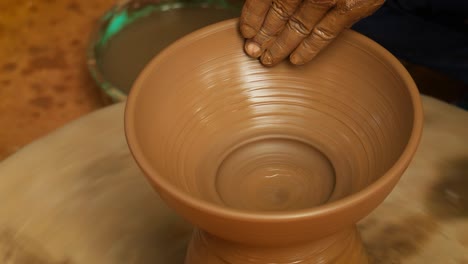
[(253, 49), (296, 59), (267, 60), (247, 31)]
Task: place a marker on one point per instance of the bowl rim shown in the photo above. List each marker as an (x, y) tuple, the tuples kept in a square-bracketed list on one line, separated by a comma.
[(389, 178)]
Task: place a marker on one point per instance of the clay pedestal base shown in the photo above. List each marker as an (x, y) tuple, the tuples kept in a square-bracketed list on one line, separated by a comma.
[(345, 247)]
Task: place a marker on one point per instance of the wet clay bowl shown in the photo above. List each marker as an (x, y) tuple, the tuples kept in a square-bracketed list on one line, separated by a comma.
[(273, 165)]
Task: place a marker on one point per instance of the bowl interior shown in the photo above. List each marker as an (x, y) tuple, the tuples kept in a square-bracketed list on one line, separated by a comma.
[(218, 126)]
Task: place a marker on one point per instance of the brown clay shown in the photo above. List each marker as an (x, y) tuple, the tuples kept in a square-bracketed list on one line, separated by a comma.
[(273, 164)]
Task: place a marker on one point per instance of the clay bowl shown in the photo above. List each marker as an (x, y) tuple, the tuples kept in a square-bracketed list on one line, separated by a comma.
[(273, 157)]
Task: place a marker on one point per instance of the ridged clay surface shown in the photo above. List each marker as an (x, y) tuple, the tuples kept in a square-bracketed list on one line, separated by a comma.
[(273, 156)]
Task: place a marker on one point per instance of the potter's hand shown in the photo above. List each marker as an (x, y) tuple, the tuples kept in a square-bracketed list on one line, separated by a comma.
[(299, 28)]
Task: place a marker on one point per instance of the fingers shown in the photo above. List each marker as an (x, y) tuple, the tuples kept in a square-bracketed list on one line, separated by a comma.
[(323, 33), (277, 16), (297, 29), (253, 14), (340, 17), (275, 28)]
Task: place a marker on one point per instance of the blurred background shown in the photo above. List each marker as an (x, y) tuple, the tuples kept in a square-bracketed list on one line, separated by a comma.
[(61, 59)]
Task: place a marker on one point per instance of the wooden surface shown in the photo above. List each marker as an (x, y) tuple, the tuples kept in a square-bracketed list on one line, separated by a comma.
[(44, 82), (76, 196)]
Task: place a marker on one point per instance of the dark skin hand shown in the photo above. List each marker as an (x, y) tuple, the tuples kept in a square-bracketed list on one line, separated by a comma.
[(299, 29)]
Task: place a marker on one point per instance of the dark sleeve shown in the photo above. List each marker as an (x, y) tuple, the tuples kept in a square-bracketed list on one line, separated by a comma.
[(433, 33)]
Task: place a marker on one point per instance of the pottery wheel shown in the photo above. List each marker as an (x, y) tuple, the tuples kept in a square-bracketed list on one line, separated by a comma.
[(76, 196)]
